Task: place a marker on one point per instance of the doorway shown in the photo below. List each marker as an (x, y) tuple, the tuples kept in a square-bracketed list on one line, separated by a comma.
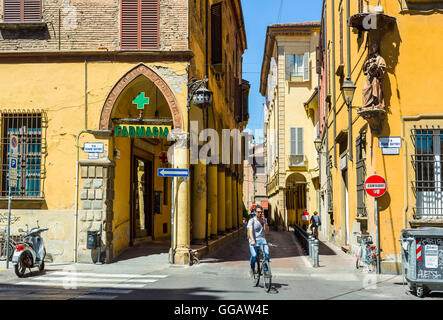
[(142, 199)]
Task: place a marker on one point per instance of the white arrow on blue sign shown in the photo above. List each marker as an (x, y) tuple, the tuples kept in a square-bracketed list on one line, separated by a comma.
[(172, 172)]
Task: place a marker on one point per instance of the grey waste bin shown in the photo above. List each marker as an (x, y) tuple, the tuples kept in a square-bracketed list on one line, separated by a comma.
[(422, 259)]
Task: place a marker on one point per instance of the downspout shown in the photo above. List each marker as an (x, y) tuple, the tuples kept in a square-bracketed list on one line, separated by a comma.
[(333, 85), (348, 40), (86, 94), (207, 115), (405, 178)]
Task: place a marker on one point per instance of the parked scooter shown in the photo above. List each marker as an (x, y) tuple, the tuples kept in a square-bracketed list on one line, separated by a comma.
[(30, 253)]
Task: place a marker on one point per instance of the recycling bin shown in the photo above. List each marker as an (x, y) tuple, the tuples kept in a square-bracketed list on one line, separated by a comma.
[(422, 259), (92, 241)]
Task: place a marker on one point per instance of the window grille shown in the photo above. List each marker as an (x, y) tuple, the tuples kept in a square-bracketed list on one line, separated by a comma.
[(427, 163), (330, 191), (28, 128)]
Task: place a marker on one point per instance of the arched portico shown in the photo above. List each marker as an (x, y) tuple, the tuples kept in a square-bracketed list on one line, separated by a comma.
[(296, 201)]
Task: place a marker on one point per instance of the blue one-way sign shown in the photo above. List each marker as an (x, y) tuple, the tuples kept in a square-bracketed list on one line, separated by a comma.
[(172, 172)]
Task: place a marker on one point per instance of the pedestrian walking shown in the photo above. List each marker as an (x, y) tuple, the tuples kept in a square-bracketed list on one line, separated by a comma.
[(305, 220)]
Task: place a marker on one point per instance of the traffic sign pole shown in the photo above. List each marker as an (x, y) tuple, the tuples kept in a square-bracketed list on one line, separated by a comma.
[(9, 229), (377, 235)]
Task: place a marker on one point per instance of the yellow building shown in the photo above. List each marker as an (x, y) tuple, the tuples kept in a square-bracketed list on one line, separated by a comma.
[(97, 96), (288, 82), (393, 126)]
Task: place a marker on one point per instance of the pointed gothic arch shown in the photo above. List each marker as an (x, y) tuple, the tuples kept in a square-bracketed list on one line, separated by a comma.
[(160, 83)]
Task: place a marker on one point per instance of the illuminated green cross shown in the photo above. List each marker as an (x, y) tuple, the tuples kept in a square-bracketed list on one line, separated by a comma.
[(141, 100)]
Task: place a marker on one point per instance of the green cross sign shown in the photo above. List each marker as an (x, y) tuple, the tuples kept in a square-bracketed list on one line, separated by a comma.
[(141, 100)]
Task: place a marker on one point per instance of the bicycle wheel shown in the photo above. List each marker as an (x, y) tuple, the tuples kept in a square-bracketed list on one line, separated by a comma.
[(256, 277), (267, 276), (358, 261)]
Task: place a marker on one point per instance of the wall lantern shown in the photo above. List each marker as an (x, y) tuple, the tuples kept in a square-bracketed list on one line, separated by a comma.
[(317, 144), (348, 88), (202, 97)]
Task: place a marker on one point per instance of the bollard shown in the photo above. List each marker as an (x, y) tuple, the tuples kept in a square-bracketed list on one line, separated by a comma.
[(315, 253), (310, 246)]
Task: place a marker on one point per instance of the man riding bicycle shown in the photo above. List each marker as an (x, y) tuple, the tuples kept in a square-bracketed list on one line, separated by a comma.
[(257, 226)]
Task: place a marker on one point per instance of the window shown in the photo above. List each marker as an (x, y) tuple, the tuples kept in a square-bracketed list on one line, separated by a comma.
[(28, 128), (428, 183), (296, 141), (329, 185), (216, 34), (22, 11), (342, 59), (298, 67), (139, 24), (360, 146)]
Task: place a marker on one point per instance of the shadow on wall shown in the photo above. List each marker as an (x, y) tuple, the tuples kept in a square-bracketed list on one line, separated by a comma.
[(26, 34)]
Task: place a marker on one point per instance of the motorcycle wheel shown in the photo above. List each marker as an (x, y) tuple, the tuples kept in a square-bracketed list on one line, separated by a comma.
[(20, 267)]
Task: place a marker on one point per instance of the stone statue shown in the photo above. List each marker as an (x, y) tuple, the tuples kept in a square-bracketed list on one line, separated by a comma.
[(374, 70)]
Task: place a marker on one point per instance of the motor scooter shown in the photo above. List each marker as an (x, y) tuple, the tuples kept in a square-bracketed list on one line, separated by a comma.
[(30, 253)]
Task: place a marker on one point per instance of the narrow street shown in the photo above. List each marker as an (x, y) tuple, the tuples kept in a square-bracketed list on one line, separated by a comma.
[(221, 275)]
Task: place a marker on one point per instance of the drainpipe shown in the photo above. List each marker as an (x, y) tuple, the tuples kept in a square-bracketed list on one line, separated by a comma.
[(76, 184), (348, 40), (333, 85)]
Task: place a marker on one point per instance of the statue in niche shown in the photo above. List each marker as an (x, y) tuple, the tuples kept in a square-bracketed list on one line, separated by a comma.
[(374, 70)]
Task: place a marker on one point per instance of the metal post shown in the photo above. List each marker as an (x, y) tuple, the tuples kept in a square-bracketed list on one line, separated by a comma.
[(171, 260), (315, 253), (310, 246), (9, 229), (99, 244), (377, 235)]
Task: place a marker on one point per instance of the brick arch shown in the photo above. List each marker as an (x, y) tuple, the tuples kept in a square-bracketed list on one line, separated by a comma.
[(141, 69)]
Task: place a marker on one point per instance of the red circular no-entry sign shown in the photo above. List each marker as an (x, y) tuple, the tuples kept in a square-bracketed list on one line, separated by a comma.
[(375, 186)]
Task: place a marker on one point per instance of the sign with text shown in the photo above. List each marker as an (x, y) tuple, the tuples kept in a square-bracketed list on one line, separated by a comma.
[(94, 147), (13, 171), (390, 151), (389, 142), (142, 131), (375, 186)]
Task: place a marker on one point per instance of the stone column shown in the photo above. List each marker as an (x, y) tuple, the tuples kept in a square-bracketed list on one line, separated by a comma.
[(198, 207), (234, 202), (182, 214), (212, 198), (221, 216), (96, 196), (228, 197)]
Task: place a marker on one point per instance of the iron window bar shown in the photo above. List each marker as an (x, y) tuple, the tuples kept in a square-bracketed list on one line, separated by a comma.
[(28, 127), (427, 162)]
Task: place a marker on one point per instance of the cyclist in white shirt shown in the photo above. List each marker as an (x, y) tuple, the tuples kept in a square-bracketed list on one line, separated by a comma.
[(257, 226)]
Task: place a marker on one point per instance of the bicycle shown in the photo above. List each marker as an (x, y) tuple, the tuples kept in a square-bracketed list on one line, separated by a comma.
[(366, 254), (3, 241), (262, 268)]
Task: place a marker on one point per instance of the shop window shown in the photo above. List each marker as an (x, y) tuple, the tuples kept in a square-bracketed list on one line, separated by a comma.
[(27, 127)]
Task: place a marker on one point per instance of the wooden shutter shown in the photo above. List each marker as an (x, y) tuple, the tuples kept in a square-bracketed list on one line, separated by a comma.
[(129, 24), (299, 141), (306, 67), (12, 11), (287, 66), (293, 141), (216, 34), (32, 11), (22, 11), (149, 24)]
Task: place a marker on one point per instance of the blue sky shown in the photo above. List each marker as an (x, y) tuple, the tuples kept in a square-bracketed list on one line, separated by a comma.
[(258, 14)]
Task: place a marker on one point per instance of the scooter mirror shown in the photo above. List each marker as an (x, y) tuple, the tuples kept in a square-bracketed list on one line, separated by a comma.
[(20, 230)]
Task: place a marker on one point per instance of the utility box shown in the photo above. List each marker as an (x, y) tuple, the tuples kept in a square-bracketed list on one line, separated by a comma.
[(422, 259), (92, 241)]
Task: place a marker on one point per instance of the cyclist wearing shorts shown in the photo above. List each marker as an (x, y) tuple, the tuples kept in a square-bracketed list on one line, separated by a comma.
[(257, 226)]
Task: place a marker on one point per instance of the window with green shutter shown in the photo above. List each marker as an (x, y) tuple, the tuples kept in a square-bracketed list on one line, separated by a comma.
[(298, 68), (296, 140)]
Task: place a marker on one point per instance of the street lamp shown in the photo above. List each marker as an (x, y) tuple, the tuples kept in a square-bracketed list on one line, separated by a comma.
[(202, 97), (317, 144), (348, 88)]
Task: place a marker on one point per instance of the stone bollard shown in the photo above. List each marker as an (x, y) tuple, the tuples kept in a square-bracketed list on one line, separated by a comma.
[(315, 258)]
